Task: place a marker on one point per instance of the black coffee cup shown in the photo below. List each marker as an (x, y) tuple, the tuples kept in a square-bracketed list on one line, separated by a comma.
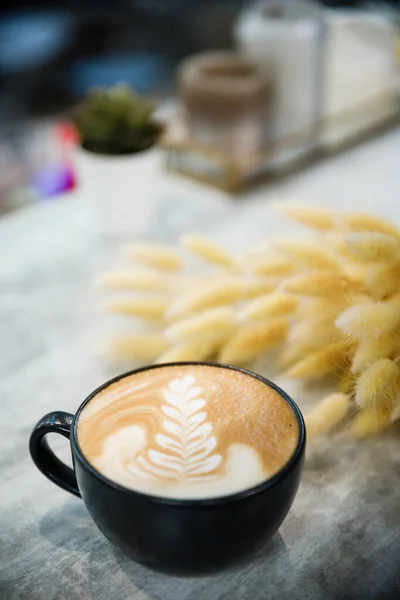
[(180, 537)]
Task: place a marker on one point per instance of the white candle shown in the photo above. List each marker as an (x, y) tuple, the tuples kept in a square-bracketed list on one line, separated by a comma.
[(285, 38), (360, 74)]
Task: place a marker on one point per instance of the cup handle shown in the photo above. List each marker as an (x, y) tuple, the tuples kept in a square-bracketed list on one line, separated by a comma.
[(45, 459)]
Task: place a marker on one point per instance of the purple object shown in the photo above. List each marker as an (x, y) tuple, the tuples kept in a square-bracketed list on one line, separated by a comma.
[(53, 180)]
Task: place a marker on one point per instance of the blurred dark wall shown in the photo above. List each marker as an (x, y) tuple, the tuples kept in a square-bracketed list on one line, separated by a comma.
[(52, 51), (94, 42)]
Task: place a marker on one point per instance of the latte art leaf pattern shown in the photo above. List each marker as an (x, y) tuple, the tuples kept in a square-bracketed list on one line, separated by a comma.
[(185, 450)]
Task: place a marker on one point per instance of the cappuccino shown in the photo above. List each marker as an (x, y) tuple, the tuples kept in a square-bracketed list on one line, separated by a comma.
[(192, 431)]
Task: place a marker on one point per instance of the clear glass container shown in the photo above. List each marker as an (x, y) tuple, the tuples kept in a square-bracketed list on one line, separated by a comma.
[(285, 38), (360, 91), (223, 131)]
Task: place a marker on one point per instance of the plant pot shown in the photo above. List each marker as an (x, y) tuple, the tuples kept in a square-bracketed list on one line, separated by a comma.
[(119, 189)]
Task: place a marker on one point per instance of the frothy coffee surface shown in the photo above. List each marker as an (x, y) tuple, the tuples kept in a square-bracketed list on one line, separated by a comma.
[(188, 432)]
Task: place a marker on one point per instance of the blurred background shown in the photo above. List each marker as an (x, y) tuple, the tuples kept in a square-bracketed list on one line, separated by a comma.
[(52, 55)]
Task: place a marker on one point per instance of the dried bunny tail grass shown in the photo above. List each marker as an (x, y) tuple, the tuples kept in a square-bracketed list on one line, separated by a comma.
[(315, 321), (356, 271), (320, 331), (360, 222), (272, 265), (201, 349), (383, 280), (155, 255), (369, 319), (321, 308), (369, 422), (179, 283), (225, 291), (377, 386), (215, 323), (139, 280), (251, 340), (293, 353), (141, 347), (375, 247), (318, 283), (395, 416), (208, 250), (308, 255), (253, 287), (307, 214), (320, 363), (324, 311), (275, 305), (356, 298), (328, 413), (336, 242), (146, 307), (395, 299), (372, 349), (347, 382)]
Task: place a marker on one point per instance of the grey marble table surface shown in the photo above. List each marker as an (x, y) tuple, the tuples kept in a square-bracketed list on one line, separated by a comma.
[(342, 536)]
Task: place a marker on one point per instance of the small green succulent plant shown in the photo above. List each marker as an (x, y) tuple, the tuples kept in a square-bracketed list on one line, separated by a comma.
[(116, 121)]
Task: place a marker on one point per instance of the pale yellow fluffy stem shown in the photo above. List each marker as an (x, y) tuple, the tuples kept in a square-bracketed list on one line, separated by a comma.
[(377, 386), (320, 363), (328, 413), (321, 308), (155, 255), (225, 291), (207, 249), (275, 305), (369, 422), (305, 254), (293, 353), (271, 265), (307, 214), (347, 382), (383, 280), (215, 322), (199, 349), (253, 287), (138, 280), (141, 347), (253, 339), (149, 308), (375, 247), (319, 283), (318, 331), (369, 319), (359, 222), (372, 349)]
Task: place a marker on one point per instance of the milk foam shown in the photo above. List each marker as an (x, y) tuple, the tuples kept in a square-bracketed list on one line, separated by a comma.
[(174, 439), (243, 469)]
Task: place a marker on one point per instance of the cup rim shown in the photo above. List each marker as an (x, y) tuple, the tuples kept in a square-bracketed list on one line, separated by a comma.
[(193, 502)]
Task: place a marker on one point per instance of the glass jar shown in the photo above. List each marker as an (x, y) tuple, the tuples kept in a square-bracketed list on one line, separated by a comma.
[(360, 77), (225, 100), (285, 37)]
